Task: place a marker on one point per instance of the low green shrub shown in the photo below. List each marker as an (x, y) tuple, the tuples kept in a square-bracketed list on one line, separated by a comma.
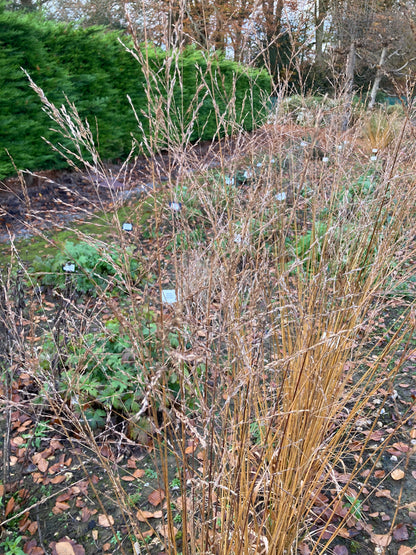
[(101, 371), (93, 268)]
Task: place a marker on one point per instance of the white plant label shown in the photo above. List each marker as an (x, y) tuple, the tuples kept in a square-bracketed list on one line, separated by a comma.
[(238, 240), (373, 158), (175, 206), (127, 227), (169, 296), (325, 159), (375, 150), (281, 196), (69, 267)]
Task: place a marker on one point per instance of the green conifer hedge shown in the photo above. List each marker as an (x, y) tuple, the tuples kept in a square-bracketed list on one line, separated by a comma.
[(96, 73)]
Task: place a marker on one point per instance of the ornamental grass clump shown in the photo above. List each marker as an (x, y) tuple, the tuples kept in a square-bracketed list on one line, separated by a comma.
[(255, 403)]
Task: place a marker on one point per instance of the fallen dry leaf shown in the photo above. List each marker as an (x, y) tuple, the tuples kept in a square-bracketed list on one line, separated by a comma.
[(340, 550), (17, 441), (401, 446), (164, 531), (32, 528), (191, 449), (397, 474), (382, 540), (105, 521), (64, 548), (31, 548), (87, 513), (142, 516), (64, 496), (404, 550), (401, 533), (156, 497), (384, 493), (10, 506), (139, 473), (56, 444), (63, 506), (57, 479), (147, 533), (43, 465)]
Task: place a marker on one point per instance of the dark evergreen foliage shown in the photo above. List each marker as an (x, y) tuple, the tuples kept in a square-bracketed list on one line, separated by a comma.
[(96, 73)]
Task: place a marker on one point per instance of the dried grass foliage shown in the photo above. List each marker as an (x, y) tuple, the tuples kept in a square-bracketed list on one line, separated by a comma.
[(281, 332)]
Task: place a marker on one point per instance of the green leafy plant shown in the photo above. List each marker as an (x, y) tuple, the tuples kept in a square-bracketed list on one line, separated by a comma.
[(93, 268), (11, 546), (354, 506), (150, 473), (38, 434), (107, 372), (117, 538), (96, 417)]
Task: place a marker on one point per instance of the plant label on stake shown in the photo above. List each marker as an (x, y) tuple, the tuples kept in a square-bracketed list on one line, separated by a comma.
[(69, 267), (175, 206), (281, 196), (127, 227), (240, 240), (169, 296)]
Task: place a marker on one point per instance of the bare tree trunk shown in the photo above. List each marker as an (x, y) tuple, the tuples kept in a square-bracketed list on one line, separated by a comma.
[(238, 43), (219, 32), (377, 79), (349, 85), (321, 10)]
